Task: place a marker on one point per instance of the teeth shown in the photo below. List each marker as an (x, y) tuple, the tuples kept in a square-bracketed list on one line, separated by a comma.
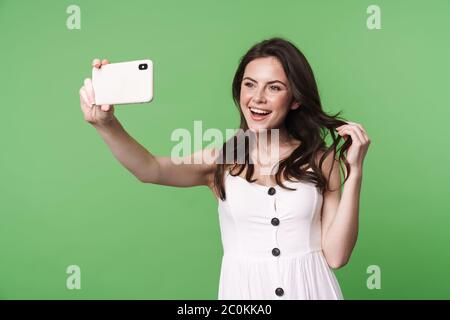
[(259, 111)]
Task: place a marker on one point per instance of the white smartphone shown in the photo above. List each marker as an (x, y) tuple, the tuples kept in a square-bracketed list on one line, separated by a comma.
[(123, 82)]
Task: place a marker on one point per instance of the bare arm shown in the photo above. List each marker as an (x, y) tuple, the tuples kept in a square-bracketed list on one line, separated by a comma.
[(340, 216), (133, 156), (153, 169)]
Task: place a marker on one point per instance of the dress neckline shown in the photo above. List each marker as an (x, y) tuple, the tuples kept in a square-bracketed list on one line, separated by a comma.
[(264, 186), (254, 183)]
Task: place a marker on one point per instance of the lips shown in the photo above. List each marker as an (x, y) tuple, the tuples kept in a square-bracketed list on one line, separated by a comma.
[(259, 114)]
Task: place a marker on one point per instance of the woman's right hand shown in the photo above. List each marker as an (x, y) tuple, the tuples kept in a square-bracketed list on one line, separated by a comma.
[(95, 114)]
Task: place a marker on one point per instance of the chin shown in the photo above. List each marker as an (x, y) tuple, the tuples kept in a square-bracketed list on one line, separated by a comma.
[(256, 127)]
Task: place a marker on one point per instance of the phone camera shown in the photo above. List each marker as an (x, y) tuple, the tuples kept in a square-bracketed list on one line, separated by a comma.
[(143, 66)]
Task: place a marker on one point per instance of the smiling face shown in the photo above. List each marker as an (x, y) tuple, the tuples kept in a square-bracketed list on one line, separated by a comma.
[(265, 97)]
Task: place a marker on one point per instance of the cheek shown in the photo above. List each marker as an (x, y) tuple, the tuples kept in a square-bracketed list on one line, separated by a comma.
[(245, 96), (279, 103), (274, 100), (243, 101)]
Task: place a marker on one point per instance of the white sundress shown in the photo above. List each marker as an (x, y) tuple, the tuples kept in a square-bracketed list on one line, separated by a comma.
[(271, 241)]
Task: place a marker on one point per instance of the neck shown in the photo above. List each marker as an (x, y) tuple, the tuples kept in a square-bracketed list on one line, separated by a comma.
[(272, 138), (269, 144)]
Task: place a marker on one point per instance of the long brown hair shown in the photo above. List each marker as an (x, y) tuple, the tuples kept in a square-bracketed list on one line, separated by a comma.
[(308, 123)]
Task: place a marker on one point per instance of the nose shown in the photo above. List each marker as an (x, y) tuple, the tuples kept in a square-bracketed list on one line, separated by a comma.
[(259, 96)]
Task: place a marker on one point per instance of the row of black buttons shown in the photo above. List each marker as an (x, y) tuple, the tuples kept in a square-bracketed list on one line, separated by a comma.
[(275, 251)]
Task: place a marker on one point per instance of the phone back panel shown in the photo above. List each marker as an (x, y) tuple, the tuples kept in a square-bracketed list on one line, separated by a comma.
[(123, 82)]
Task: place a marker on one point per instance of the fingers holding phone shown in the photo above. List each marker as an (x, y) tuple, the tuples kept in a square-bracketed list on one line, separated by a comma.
[(97, 63), (128, 82), (94, 114)]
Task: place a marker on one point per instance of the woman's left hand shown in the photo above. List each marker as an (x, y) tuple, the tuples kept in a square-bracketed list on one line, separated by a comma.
[(360, 143)]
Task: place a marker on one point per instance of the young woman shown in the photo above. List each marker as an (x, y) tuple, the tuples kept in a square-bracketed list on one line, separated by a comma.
[(284, 232)]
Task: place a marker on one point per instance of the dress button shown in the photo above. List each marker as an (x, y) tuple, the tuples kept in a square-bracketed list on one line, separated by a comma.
[(279, 291), (276, 252), (271, 191), (275, 221)]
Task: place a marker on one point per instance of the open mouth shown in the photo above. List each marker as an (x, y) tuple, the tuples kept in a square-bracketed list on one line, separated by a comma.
[(259, 114)]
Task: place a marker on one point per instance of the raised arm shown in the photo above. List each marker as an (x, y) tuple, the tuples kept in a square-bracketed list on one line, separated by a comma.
[(139, 161)]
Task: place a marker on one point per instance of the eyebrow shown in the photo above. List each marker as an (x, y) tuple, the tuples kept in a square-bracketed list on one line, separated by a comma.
[(273, 81)]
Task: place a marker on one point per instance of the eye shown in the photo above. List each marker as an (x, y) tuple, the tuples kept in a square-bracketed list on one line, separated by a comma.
[(275, 88), (248, 84)]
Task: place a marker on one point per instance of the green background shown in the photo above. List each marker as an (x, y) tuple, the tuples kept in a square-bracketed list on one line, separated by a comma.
[(65, 200)]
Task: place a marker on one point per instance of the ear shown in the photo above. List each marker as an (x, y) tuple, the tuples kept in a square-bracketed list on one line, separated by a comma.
[(295, 105)]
